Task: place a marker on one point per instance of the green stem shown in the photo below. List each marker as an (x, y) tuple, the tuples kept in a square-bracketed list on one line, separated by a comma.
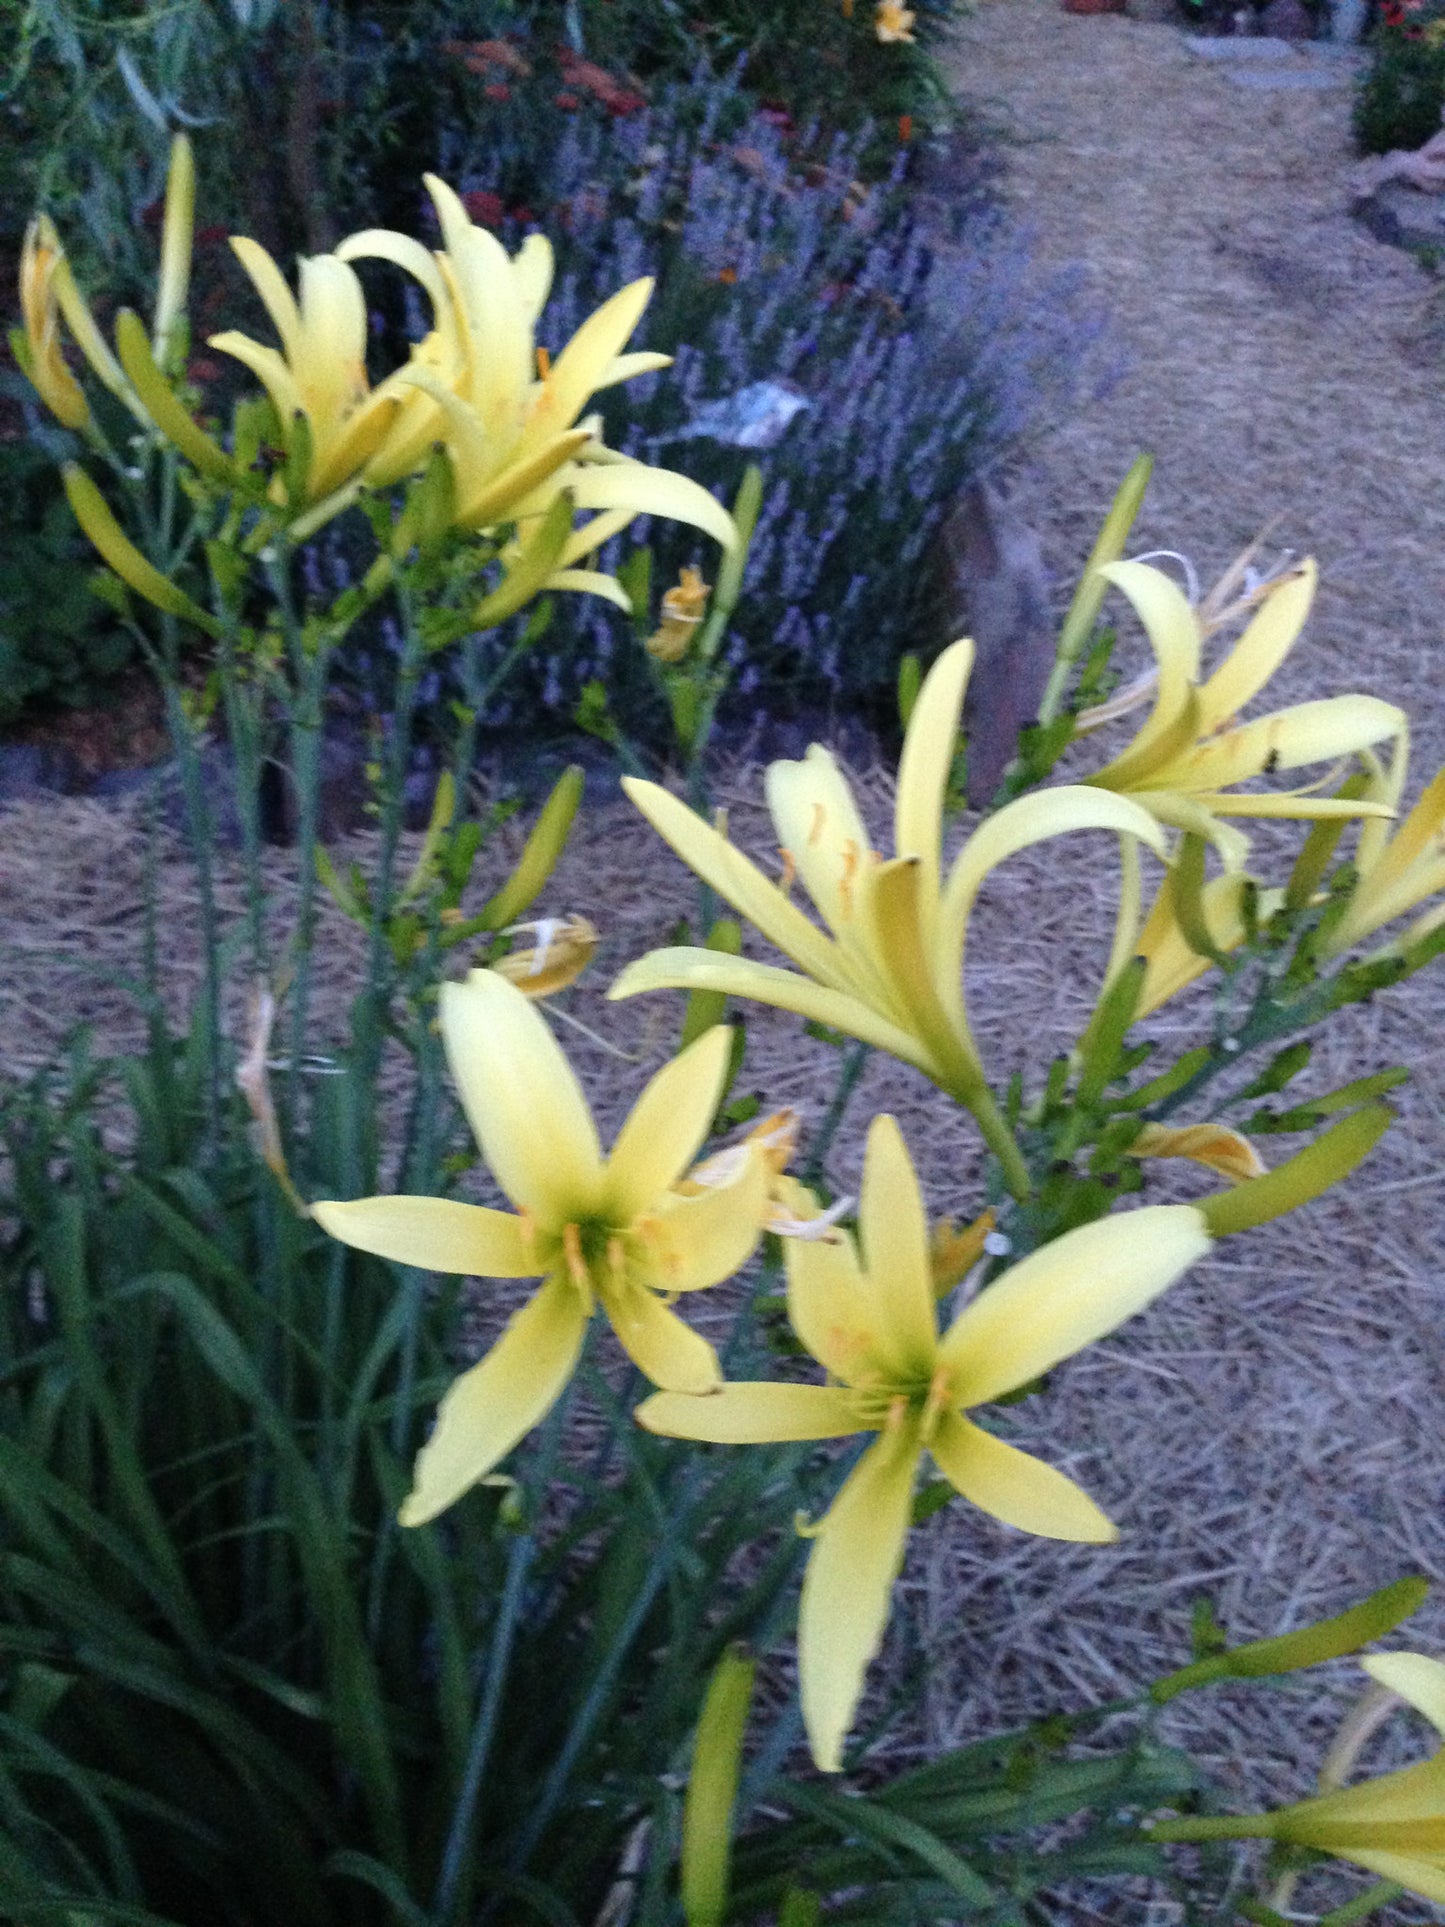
[(1215, 1826), (499, 1656), (1000, 1140), (854, 1059)]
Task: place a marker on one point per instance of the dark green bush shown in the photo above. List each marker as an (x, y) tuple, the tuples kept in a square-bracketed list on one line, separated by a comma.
[(58, 642), (1401, 93)]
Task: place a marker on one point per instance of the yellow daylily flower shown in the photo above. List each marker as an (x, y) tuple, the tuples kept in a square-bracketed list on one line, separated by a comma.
[(892, 21), (510, 416), (1393, 1826), (607, 1231), (1395, 873), (888, 968), (319, 374), (869, 1316), (1185, 761)]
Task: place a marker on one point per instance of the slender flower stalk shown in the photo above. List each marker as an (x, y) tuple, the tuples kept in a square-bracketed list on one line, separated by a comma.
[(888, 965), (868, 1315), (613, 1232)]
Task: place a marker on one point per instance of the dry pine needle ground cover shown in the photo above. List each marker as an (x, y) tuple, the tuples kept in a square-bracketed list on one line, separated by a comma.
[(1268, 1435)]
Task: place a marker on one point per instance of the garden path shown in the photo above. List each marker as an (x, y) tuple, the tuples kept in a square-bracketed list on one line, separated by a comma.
[(1280, 362)]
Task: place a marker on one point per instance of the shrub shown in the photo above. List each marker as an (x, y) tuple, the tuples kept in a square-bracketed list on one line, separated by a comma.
[(1402, 92), (58, 643)]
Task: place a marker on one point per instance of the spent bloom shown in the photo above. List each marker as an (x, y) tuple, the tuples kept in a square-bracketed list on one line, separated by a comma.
[(49, 293), (612, 1231), (887, 966), (1191, 752), (892, 21), (868, 1315)]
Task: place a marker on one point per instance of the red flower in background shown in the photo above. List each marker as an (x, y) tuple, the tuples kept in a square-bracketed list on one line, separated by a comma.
[(484, 207)]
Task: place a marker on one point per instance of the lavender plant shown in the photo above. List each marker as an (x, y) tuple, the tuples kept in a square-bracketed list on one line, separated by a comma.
[(870, 361)]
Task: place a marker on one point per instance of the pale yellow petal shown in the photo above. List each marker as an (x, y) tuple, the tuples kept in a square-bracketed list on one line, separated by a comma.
[(923, 769), (752, 1414), (521, 1099), (1061, 1298), (579, 369), (893, 1233), (1173, 634), (667, 1126), (1267, 639), (1032, 819), (1313, 732), (1415, 1795), (1416, 1678), (659, 1344), (688, 967), (892, 912), (270, 369), (818, 824), (832, 1310), (532, 268), (694, 1242), (489, 1408), (740, 882), (270, 284), (846, 1591), (655, 491), (590, 582), (1421, 1875), (403, 251), (434, 1234), (1015, 1487)]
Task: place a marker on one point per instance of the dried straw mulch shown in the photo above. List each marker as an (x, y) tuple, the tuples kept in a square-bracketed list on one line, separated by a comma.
[(1269, 1434)]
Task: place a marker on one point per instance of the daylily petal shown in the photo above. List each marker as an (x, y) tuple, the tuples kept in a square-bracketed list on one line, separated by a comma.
[(667, 1125), (1422, 1876), (893, 1231), (521, 1098), (1067, 1294), (688, 967), (892, 911), (1416, 1678), (844, 1607), (739, 882), (435, 1234), (832, 1309), (923, 768), (271, 371), (698, 1241), (655, 491), (578, 370), (591, 582), (762, 1414), (818, 824), (1414, 1795), (1171, 964), (1014, 1486), (1173, 634), (659, 1344), (1055, 812), (532, 266), (403, 251), (489, 1408), (1267, 639), (270, 284), (1314, 732)]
